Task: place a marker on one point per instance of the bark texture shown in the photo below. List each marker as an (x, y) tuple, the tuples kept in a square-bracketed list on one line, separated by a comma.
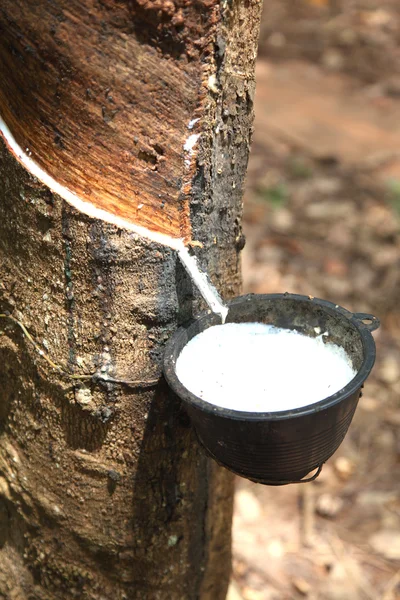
[(104, 491)]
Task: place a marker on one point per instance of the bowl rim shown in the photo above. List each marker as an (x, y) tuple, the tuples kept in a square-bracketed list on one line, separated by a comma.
[(368, 343)]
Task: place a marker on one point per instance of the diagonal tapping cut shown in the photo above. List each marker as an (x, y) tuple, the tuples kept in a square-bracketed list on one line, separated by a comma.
[(199, 278)]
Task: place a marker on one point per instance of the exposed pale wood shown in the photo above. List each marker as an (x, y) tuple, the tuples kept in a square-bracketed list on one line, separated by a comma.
[(101, 95)]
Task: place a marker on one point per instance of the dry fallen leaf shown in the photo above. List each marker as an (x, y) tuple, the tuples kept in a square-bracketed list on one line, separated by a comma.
[(247, 506), (329, 506), (250, 594), (234, 592), (275, 548), (344, 467), (302, 586), (387, 543), (376, 18)]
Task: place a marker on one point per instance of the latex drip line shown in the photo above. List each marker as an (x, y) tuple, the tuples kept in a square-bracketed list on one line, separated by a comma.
[(203, 284)]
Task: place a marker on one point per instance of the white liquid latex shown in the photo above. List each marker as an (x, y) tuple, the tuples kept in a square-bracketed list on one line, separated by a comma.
[(261, 368)]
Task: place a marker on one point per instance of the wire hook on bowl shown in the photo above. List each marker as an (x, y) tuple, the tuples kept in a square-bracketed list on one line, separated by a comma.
[(369, 321)]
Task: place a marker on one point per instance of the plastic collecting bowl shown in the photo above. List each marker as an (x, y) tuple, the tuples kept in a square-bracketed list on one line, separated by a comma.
[(277, 448)]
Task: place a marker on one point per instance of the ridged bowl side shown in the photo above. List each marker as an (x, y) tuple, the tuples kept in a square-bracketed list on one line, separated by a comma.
[(280, 452)]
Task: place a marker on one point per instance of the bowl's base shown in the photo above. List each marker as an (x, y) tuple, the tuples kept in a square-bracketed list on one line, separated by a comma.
[(265, 480)]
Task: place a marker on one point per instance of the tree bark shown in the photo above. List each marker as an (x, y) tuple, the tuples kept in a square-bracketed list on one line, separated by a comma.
[(104, 490)]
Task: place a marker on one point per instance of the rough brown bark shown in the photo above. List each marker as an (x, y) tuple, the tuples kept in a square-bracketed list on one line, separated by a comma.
[(104, 491)]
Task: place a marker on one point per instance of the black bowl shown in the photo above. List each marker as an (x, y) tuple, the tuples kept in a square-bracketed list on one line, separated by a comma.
[(277, 448)]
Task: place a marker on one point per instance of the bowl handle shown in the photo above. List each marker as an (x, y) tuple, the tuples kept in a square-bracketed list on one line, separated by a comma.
[(368, 321), (287, 481), (313, 477)]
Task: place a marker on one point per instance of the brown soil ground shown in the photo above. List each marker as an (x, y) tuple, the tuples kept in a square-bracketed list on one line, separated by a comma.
[(322, 217)]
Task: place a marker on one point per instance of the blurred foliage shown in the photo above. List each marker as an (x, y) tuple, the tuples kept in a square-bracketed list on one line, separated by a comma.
[(393, 188), (277, 194), (299, 168)]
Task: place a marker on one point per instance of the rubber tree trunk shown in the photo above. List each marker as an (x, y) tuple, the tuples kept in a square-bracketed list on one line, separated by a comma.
[(104, 491)]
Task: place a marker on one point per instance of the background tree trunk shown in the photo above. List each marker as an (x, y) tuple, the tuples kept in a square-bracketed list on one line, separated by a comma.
[(104, 491)]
